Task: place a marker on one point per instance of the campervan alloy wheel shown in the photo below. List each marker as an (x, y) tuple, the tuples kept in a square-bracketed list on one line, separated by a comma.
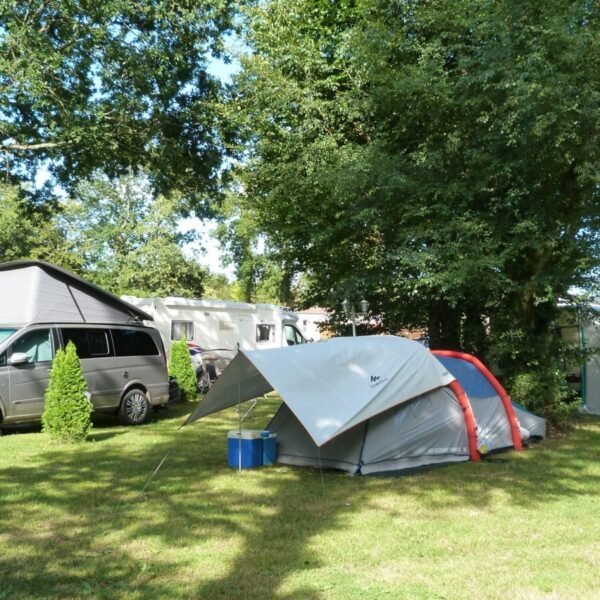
[(135, 408)]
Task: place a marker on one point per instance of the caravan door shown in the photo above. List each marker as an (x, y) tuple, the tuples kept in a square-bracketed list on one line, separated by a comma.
[(245, 332)]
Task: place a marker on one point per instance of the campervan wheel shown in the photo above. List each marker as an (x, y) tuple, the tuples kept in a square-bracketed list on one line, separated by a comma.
[(134, 407)]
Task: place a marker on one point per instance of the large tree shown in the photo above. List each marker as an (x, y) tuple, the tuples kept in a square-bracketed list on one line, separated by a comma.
[(28, 232), (440, 158), (114, 84), (127, 240)]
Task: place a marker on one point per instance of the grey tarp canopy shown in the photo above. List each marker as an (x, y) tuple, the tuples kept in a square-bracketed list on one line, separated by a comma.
[(35, 291), (364, 404)]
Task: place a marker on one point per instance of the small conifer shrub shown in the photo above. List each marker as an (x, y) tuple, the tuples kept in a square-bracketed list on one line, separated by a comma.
[(182, 369), (67, 408)]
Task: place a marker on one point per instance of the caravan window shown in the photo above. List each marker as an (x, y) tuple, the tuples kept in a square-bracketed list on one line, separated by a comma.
[(182, 330), (265, 332)]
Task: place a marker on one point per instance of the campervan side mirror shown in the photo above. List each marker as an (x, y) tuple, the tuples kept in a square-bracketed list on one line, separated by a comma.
[(18, 358)]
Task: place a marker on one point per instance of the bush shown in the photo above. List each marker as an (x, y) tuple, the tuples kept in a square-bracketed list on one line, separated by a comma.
[(546, 392), (182, 369), (67, 408)]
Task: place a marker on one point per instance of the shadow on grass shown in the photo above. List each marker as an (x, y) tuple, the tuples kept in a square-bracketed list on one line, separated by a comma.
[(93, 521)]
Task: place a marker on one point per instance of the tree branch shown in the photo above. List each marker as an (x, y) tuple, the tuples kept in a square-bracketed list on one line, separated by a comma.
[(28, 147)]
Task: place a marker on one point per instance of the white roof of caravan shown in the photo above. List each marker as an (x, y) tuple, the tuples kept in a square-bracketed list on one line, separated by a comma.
[(333, 385), (38, 292), (195, 303)]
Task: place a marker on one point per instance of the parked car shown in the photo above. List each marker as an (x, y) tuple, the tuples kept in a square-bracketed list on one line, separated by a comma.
[(125, 368)]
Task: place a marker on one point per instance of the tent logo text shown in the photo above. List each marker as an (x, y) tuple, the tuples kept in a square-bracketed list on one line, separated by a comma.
[(377, 380)]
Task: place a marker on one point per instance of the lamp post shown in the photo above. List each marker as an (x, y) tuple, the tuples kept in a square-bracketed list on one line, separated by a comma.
[(351, 313)]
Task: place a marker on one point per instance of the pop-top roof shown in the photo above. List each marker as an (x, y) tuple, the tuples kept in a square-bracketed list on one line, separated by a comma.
[(34, 291)]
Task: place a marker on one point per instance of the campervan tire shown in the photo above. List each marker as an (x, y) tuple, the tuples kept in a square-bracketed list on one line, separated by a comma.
[(134, 408)]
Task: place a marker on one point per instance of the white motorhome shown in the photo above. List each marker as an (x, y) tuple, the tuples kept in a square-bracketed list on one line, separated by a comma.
[(216, 328)]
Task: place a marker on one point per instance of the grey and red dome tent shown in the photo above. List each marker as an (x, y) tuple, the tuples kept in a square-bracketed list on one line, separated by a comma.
[(370, 404), (501, 423)]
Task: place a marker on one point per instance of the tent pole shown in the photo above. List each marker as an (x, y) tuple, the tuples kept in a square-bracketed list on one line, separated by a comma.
[(239, 414), (321, 470), (582, 344)]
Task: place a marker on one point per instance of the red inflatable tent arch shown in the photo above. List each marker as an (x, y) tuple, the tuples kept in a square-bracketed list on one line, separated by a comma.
[(504, 397)]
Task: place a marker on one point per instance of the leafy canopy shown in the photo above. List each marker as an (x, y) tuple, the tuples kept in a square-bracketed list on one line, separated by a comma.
[(113, 85), (127, 239), (440, 159)]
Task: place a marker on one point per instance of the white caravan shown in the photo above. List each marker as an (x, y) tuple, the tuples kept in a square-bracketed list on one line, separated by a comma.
[(214, 329)]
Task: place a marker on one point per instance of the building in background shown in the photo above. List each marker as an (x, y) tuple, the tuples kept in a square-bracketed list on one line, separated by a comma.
[(311, 323)]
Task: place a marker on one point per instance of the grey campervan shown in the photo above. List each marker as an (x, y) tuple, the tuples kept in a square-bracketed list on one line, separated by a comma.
[(124, 366), (42, 308)]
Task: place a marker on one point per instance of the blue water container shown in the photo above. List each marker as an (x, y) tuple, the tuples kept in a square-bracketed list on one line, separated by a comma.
[(244, 448), (269, 447)]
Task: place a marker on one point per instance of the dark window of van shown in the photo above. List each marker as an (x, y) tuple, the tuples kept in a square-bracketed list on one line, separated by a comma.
[(90, 343), (130, 342)]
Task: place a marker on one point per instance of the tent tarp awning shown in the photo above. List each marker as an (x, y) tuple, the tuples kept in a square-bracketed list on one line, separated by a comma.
[(330, 386)]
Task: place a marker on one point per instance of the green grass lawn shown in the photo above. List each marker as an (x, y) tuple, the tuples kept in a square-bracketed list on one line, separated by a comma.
[(76, 522)]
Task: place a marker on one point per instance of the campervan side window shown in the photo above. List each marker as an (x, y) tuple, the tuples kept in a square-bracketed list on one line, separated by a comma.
[(130, 342), (4, 333), (182, 330), (37, 344), (89, 343), (265, 332)]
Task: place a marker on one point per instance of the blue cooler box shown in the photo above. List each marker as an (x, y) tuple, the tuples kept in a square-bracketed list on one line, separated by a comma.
[(245, 445), (269, 447)]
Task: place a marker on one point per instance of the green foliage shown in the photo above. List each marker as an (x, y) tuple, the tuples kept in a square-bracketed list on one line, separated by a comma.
[(128, 238), (544, 391), (27, 232), (182, 369), (67, 409), (261, 275), (114, 84), (439, 159), (218, 287), (17, 231)]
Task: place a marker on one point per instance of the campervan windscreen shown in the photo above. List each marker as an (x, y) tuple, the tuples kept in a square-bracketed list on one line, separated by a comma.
[(6, 332)]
